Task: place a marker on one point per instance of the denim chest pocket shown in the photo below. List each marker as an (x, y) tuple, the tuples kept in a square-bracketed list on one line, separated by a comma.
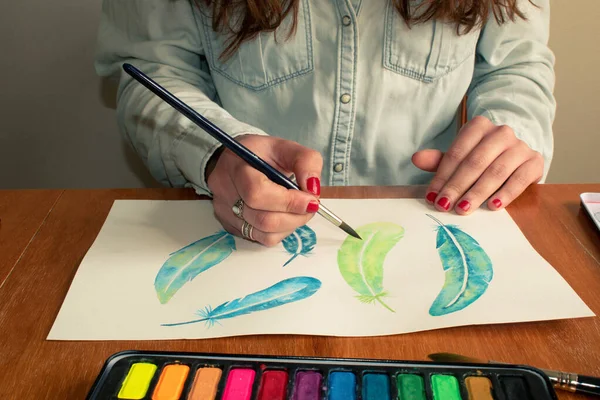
[(268, 59), (425, 51)]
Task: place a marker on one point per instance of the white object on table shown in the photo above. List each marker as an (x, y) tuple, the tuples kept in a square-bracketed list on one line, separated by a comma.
[(591, 203)]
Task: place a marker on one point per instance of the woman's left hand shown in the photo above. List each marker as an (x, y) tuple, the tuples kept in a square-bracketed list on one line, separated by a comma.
[(484, 163)]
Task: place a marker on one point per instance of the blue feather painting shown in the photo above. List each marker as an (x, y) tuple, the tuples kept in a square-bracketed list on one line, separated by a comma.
[(301, 242), (185, 264), (284, 292), (468, 269)]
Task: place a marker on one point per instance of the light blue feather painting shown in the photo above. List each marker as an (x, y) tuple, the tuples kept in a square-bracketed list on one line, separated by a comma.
[(301, 242), (185, 264), (468, 269), (284, 292)]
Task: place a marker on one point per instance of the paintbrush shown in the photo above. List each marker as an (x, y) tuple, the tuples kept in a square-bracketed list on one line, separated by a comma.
[(237, 148), (567, 381)]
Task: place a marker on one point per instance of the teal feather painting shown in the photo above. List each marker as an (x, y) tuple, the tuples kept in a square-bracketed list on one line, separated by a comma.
[(361, 262), (282, 293), (468, 269), (187, 263), (301, 242)]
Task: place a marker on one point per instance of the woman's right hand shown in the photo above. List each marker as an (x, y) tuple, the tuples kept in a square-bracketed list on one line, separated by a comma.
[(272, 210)]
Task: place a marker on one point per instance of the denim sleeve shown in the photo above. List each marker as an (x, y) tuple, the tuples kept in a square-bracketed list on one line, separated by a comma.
[(514, 79), (161, 38)]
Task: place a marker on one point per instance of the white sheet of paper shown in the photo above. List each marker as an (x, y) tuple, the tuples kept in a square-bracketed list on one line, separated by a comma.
[(112, 296)]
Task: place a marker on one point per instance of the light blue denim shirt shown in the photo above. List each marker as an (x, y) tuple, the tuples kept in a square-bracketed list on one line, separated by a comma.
[(354, 83)]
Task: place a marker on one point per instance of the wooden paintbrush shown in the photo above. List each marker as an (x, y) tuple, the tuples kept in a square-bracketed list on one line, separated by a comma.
[(567, 381)]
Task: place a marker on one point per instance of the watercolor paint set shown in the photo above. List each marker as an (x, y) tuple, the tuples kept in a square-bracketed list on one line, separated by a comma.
[(197, 376)]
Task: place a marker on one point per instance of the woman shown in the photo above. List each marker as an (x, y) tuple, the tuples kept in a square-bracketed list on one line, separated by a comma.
[(344, 92)]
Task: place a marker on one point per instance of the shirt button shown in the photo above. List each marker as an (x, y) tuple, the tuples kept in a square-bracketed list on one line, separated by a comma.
[(346, 20), (345, 98), (338, 167)]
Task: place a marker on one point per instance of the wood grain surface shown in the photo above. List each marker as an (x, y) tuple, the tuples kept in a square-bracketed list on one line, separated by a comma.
[(33, 368), (22, 212)]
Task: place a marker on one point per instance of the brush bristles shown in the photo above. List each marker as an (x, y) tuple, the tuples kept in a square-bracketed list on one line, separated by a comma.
[(349, 230)]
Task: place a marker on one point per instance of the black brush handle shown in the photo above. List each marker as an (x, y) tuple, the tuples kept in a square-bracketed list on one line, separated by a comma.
[(237, 148), (588, 385)]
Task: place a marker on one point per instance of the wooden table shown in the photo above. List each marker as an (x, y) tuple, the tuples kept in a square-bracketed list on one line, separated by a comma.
[(59, 233), (21, 215)]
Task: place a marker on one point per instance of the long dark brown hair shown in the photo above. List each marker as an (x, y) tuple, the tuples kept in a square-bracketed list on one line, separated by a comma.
[(245, 19)]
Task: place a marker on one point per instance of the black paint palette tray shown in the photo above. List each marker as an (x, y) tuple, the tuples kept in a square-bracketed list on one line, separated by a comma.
[(207, 376)]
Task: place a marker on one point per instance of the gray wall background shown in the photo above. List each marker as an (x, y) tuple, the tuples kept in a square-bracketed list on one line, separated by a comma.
[(58, 118), (58, 126)]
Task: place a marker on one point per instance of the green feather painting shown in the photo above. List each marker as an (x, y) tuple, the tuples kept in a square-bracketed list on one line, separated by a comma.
[(468, 269), (185, 264), (361, 261)]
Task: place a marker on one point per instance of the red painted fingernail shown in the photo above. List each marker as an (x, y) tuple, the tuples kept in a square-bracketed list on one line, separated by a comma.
[(314, 185), (431, 196), (312, 207), (444, 202), (464, 205), (497, 203)]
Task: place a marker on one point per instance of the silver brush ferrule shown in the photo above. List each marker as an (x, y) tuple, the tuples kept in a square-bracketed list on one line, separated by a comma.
[(563, 380)]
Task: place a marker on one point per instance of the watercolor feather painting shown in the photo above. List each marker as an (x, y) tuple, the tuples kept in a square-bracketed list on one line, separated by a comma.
[(185, 264), (166, 270), (361, 261), (301, 242), (281, 293), (468, 269)]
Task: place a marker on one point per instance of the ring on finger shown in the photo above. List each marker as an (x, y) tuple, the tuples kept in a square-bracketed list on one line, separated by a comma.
[(238, 208), (247, 231)]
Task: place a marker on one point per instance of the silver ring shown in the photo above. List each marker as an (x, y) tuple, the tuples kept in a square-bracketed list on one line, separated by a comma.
[(247, 231), (238, 208)]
